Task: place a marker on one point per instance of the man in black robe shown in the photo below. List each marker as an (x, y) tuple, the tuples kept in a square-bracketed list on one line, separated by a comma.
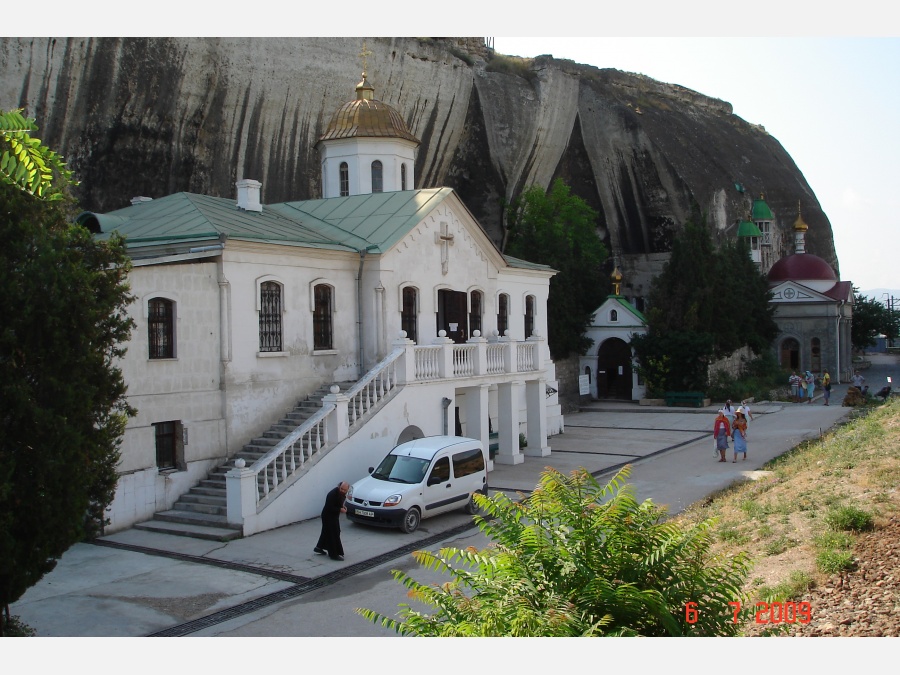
[(330, 538)]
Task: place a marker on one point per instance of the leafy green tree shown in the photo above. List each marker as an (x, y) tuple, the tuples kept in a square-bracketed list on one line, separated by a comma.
[(559, 229), (704, 304), (576, 559), (25, 162), (63, 297), (871, 319)]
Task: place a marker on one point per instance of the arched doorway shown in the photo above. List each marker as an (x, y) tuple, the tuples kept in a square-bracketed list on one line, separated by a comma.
[(614, 369), (790, 354)]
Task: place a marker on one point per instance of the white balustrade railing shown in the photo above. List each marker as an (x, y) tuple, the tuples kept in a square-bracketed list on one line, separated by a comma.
[(291, 453), (494, 354), (463, 360), (427, 362), (525, 356), (373, 388)]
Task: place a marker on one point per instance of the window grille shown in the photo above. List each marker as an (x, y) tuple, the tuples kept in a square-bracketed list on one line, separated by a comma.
[(270, 317), (322, 318), (161, 328)]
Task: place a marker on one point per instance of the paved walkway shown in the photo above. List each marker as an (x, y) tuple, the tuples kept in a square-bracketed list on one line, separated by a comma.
[(137, 583)]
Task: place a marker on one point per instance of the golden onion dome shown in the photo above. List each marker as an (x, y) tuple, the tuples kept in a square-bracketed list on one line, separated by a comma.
[(799, 225), (616, 278), (367, 117)]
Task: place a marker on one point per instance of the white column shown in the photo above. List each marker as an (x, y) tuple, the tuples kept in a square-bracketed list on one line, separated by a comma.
[(536, 418), (240, 493), (508, 424)]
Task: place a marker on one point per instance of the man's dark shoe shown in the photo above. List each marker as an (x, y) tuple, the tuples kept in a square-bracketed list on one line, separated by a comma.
[(337, 557), (320, 551)]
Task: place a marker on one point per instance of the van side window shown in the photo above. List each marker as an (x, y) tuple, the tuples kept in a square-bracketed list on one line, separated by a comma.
[(468, 462), (440, 472)]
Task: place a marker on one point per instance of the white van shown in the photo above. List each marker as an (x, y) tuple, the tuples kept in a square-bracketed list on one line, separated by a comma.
[(420, 479)]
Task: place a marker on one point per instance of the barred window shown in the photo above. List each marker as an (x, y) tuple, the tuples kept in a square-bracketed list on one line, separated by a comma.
[(475, 313), (166, 444), (322, 320), (377, 180), (270, 317), (409, 313), (503, 314), (161, 328), (529, 316), (344, 179)]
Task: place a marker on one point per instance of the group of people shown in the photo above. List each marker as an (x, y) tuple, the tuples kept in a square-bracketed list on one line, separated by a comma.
[(733, 423), (803, 387)]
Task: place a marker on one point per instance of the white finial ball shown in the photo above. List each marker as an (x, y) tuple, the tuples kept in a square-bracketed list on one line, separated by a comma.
[(442, 333), (335, 389), (402, 333), (476, 333), (240, 463)]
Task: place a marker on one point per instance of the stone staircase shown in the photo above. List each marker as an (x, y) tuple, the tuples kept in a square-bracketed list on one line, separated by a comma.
[(201, 512)]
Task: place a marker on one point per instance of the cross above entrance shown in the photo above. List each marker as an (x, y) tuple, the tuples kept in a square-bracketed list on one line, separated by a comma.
[(445, 239)]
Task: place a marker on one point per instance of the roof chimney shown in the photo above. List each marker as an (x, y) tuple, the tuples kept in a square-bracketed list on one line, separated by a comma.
[(248, 194)]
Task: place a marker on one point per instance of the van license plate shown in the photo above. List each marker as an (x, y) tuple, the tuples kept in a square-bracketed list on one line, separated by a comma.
[(369, 514)]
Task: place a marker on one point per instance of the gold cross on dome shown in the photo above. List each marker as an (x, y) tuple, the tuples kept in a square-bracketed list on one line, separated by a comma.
[(365, 54)]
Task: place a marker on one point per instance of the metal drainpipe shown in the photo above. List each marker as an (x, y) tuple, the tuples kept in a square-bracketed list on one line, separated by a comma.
[(446, 403), (837, 342), (359, 321)]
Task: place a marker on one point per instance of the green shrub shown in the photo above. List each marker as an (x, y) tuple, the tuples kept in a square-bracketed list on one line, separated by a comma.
[(778, 545), (849, 518), (791, 589), (575, 559), (830, 561), (834, 540)]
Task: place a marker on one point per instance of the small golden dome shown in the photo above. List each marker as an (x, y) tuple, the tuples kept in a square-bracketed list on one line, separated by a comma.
[(799, 225), (367, 117), (616, 278)]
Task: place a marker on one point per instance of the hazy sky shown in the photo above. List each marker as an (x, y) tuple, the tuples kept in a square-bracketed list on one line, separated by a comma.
[(832, 103)]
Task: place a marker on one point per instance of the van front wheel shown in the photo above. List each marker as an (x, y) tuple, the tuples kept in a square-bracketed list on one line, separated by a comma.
[(411, 520)]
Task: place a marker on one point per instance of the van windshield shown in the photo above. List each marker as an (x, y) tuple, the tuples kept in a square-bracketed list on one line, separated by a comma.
[(400, 469)]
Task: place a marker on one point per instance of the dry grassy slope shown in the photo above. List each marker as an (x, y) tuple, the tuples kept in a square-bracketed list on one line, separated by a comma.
[(778, 517)]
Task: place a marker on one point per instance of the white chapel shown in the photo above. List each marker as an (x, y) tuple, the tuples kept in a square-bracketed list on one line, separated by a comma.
[(281, 348)]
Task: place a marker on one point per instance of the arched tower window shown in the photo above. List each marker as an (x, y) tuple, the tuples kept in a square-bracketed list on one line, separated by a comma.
[(475, 313), (613, 316), (403, 176), (344, 179), (529, 315), (377, 176), (323, 332)]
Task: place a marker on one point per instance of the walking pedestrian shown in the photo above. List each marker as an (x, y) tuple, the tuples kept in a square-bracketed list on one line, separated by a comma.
[(739, 434), (747, 414), (330, 537), (810, 386), (826, 386), (721, 431), (728, 409), (794, 381)]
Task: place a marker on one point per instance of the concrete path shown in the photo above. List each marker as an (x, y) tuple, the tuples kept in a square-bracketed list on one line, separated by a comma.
[(137, 583)]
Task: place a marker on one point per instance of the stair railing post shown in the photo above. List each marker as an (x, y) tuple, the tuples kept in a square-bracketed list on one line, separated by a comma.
[(337, 423), (406, 364), (445, 360), (480, 355), (538, 355), (240, 493), (510, 364)]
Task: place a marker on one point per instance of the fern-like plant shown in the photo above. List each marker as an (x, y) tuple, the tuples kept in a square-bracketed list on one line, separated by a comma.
[(27, 163), (576, 558)]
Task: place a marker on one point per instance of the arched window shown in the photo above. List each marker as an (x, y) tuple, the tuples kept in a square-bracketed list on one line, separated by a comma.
[(270, 316), (475, 313), (403, 176), (323, 329), (161, 328), (503, 313), (345, 179), (529, 315), (377, 181), (408, 315), (613, 316)]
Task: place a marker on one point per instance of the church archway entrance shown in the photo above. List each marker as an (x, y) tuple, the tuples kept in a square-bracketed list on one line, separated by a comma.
[(790, 354), (614, 369)]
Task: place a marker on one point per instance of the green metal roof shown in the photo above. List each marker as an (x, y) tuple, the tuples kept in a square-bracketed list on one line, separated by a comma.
[(524, 264), (628, 306), (748, 229), (761, 210)]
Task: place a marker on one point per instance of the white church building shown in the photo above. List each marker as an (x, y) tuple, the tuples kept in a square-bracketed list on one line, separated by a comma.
[(389, 300)]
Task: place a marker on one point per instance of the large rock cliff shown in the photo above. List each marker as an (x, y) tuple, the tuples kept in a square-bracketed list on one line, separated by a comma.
[(152, 116)]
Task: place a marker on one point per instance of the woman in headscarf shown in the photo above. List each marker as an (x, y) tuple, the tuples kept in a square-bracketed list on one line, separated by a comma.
[(721, 431), (739, 434)]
